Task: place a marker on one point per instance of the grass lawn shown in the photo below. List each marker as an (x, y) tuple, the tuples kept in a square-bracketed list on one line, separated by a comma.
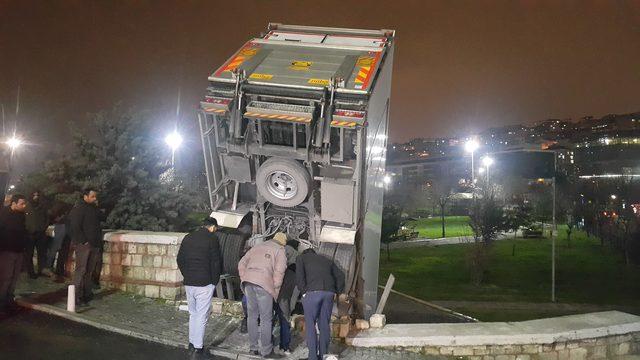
[(586, 273), (432, 227)]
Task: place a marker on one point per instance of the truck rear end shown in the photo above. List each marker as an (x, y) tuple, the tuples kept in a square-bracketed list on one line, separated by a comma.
[(294, 133)]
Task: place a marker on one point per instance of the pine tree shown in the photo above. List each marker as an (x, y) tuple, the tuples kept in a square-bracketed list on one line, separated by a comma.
[(121, 154)]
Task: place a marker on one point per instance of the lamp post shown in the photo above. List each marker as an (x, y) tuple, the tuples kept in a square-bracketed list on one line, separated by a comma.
[(487, 162), (173, 140), (471, 146)]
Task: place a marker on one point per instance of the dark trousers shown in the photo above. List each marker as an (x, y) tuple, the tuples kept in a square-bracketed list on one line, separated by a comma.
[(97, 269), (285, 328), (10, 266), (63, 256), (55, 244), (317, 310), (86, 261), (37, 241)]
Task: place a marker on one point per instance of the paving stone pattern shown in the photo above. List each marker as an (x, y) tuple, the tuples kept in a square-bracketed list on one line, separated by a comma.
[(162, 322)]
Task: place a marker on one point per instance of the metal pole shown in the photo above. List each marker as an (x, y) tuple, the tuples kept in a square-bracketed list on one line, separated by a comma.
[(473, 171), (553, 236)]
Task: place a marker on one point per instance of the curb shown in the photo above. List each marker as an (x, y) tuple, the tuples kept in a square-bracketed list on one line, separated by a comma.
[(52, 310)]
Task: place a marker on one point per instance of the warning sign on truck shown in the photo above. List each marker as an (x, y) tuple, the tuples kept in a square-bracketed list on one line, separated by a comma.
[(322, 82), (260, 76), (300, 65)]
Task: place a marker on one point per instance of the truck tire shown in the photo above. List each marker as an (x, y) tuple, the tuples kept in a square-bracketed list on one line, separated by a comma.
[(343, 255), (232, 243), (283, 182)]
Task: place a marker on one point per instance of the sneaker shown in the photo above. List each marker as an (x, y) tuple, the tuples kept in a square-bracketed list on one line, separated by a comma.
[(191, 348), (201, 354), (273, 355)]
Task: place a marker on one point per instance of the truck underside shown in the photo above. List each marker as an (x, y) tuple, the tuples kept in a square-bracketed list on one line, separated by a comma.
[(294, 131)]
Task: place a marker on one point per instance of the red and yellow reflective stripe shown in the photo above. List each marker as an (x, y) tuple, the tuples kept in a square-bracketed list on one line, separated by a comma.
[(365, 65), (343, 123), (245, 53), (237, 61), (278, 117), (217, 111)]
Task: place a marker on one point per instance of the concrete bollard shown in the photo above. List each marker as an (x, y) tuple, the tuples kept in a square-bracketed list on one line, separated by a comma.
[(71, 298)]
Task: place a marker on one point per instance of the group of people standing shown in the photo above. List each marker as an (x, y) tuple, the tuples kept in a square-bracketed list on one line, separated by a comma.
[(273, 275), (23, 232)]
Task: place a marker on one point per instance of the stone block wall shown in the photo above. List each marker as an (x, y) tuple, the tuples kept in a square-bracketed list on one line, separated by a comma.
[(143, 263), (600, 335), (607, 347)]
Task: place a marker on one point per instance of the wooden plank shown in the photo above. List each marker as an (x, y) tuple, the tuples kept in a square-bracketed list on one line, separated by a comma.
[(385, 293)]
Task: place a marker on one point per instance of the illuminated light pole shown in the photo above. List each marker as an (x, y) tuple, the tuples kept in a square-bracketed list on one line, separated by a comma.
[(487, 162), (14, 143), (173, 140), (471, 146)]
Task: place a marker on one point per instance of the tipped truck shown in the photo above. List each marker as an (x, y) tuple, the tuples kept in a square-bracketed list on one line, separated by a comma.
[(294, 132)]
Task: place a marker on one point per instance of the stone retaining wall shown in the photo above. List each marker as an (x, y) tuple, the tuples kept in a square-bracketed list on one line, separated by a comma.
[(143, 263), (608, 347), (604, 335)]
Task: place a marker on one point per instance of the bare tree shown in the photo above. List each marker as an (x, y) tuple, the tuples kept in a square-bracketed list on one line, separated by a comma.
[(391, 221), (441, 191), (487, 219)]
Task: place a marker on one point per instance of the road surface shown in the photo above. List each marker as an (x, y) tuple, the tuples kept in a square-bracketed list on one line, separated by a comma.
[(33, 335)]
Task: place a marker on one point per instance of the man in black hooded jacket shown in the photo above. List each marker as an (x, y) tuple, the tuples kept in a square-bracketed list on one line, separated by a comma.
[(200, 262), (319, 280)]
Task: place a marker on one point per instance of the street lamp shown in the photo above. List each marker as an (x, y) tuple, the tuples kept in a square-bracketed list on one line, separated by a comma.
[(471, 146), (174, 140), (14, 143), (487, 162)]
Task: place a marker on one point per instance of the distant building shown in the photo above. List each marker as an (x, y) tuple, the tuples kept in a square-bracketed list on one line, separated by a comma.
[(600, 147)]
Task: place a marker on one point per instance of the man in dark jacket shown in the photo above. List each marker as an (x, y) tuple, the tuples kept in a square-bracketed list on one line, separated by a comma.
[(86, 235), (13, 240), (37, 221), (200, 262), (319, 280)]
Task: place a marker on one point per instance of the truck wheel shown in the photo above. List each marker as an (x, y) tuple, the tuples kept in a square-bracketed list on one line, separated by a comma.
[(232, 243), (283, 182)]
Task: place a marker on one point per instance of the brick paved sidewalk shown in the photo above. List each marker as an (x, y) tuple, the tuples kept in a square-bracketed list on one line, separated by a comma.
[(158, 321)]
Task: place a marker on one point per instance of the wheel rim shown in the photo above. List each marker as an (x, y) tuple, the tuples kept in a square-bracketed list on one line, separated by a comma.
[(282, 185)]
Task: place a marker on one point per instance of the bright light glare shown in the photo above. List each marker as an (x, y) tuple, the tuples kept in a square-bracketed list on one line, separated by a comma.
[(480, 170), (471, 146), (613, 197), (14, 143), (487, 161), (174, 140), (11, 187), (387, 179)]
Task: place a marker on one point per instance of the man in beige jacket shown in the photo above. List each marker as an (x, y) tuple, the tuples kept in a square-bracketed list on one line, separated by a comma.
[(261, 272)]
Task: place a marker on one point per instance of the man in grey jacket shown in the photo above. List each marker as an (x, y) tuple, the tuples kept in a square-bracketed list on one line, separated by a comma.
[(261, 272)]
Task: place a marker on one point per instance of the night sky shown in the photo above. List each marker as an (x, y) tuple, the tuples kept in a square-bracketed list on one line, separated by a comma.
[(460, 66)]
